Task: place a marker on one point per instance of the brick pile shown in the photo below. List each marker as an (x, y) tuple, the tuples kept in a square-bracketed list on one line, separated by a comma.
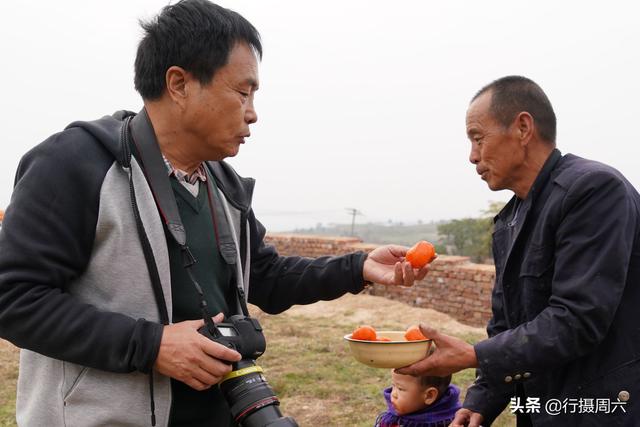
[(309, 245), (453, 286)]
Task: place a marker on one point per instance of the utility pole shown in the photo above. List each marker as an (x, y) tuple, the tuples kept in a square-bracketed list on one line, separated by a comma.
[(353, 212)]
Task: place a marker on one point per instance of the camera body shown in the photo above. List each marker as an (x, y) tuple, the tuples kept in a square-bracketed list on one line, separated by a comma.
[(240, 333), (251, 400)]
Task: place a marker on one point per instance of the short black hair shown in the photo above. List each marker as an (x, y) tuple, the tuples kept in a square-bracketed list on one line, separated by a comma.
[(512, 95), (196, 35), (440, 383)]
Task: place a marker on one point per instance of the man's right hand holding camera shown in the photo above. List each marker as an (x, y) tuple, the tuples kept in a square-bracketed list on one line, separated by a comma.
[(190, 357)]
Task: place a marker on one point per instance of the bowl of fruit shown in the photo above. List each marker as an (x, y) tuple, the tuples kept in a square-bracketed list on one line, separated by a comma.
[(388, 349)]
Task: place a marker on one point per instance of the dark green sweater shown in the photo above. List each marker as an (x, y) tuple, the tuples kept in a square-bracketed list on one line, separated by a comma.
[(190, 407)]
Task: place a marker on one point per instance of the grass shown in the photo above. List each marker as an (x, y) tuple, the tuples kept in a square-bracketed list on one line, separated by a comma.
[(8, 378), (308, 364), (317, 380)]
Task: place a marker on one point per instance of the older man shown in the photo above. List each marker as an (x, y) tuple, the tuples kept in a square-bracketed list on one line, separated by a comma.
[(99, 282), (567, 290)]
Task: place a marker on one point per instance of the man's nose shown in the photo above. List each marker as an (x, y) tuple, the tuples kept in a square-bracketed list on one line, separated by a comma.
[(250, 115), (474, 155)]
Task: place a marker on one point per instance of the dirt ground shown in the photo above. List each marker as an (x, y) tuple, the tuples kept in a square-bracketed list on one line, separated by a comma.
[(369, 309), (341, 315)]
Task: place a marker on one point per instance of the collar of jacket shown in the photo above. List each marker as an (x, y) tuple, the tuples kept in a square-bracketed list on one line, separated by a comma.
[(538, 184), (236, 189)]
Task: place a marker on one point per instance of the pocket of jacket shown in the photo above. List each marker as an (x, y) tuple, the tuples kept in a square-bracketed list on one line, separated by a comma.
[(74, 385), (537, 262), (98, 398), (536, 276)]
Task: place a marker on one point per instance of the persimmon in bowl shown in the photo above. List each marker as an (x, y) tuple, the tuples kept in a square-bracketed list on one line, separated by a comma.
[(389, 349)]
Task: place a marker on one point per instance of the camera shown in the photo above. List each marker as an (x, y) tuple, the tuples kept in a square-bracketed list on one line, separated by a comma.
[(251, 399)]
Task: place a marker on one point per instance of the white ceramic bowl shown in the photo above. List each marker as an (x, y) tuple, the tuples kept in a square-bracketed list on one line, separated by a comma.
[(388, 354)]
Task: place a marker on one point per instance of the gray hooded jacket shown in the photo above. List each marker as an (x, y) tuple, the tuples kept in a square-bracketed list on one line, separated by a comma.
[(75, 288)]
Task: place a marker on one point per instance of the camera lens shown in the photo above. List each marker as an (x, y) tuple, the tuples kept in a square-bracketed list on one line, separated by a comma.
[(251, 399)]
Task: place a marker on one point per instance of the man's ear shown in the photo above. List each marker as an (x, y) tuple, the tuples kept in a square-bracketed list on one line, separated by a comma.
[(430, 395), (177, 79), (525, 127)]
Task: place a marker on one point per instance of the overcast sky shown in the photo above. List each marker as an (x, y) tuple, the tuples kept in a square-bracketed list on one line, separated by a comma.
[(361, 104)]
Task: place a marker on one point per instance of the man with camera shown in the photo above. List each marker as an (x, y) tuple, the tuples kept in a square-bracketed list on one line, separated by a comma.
[(125, 233)]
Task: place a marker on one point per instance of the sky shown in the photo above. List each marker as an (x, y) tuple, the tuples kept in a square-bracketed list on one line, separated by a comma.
[(361, 104)]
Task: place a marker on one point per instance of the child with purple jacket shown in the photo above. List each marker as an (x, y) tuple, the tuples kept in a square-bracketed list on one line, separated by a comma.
[(419, 402)]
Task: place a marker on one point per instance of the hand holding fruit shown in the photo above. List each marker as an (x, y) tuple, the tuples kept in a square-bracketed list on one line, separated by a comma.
[(392, 265)]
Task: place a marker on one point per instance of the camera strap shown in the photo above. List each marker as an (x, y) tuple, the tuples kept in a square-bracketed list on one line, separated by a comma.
[(155, 170)]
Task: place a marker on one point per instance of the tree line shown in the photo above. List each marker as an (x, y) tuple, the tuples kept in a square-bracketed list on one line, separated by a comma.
[(470, 236)]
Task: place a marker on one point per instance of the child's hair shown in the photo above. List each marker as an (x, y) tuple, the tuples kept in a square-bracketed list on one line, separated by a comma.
[(440, 383)]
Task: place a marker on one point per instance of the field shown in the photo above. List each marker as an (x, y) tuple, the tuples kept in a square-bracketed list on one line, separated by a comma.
[(308, 363), (395, 233)]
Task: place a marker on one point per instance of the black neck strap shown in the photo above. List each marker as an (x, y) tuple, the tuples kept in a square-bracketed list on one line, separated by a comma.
[(155, 169), (156, 173)]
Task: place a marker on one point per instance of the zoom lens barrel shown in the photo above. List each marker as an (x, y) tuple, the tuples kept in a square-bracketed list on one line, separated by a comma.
[(252, 401)]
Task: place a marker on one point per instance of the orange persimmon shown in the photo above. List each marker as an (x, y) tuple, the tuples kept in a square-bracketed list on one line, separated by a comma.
[(421, 254), (414, 333), (364, 333)]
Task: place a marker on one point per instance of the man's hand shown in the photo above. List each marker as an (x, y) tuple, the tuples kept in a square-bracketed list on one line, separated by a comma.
[(190, 357), (386, 265), (467, 418), (451, 355)]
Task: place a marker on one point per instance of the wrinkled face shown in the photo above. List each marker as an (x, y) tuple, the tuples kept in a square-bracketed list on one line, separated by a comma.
[(495, 151), (218, 114), (407, 394)]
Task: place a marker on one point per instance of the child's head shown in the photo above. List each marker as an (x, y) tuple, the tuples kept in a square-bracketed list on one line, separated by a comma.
[(410, 394)]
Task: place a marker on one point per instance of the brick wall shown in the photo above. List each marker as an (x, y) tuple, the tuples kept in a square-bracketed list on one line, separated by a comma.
[(453, 286)]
